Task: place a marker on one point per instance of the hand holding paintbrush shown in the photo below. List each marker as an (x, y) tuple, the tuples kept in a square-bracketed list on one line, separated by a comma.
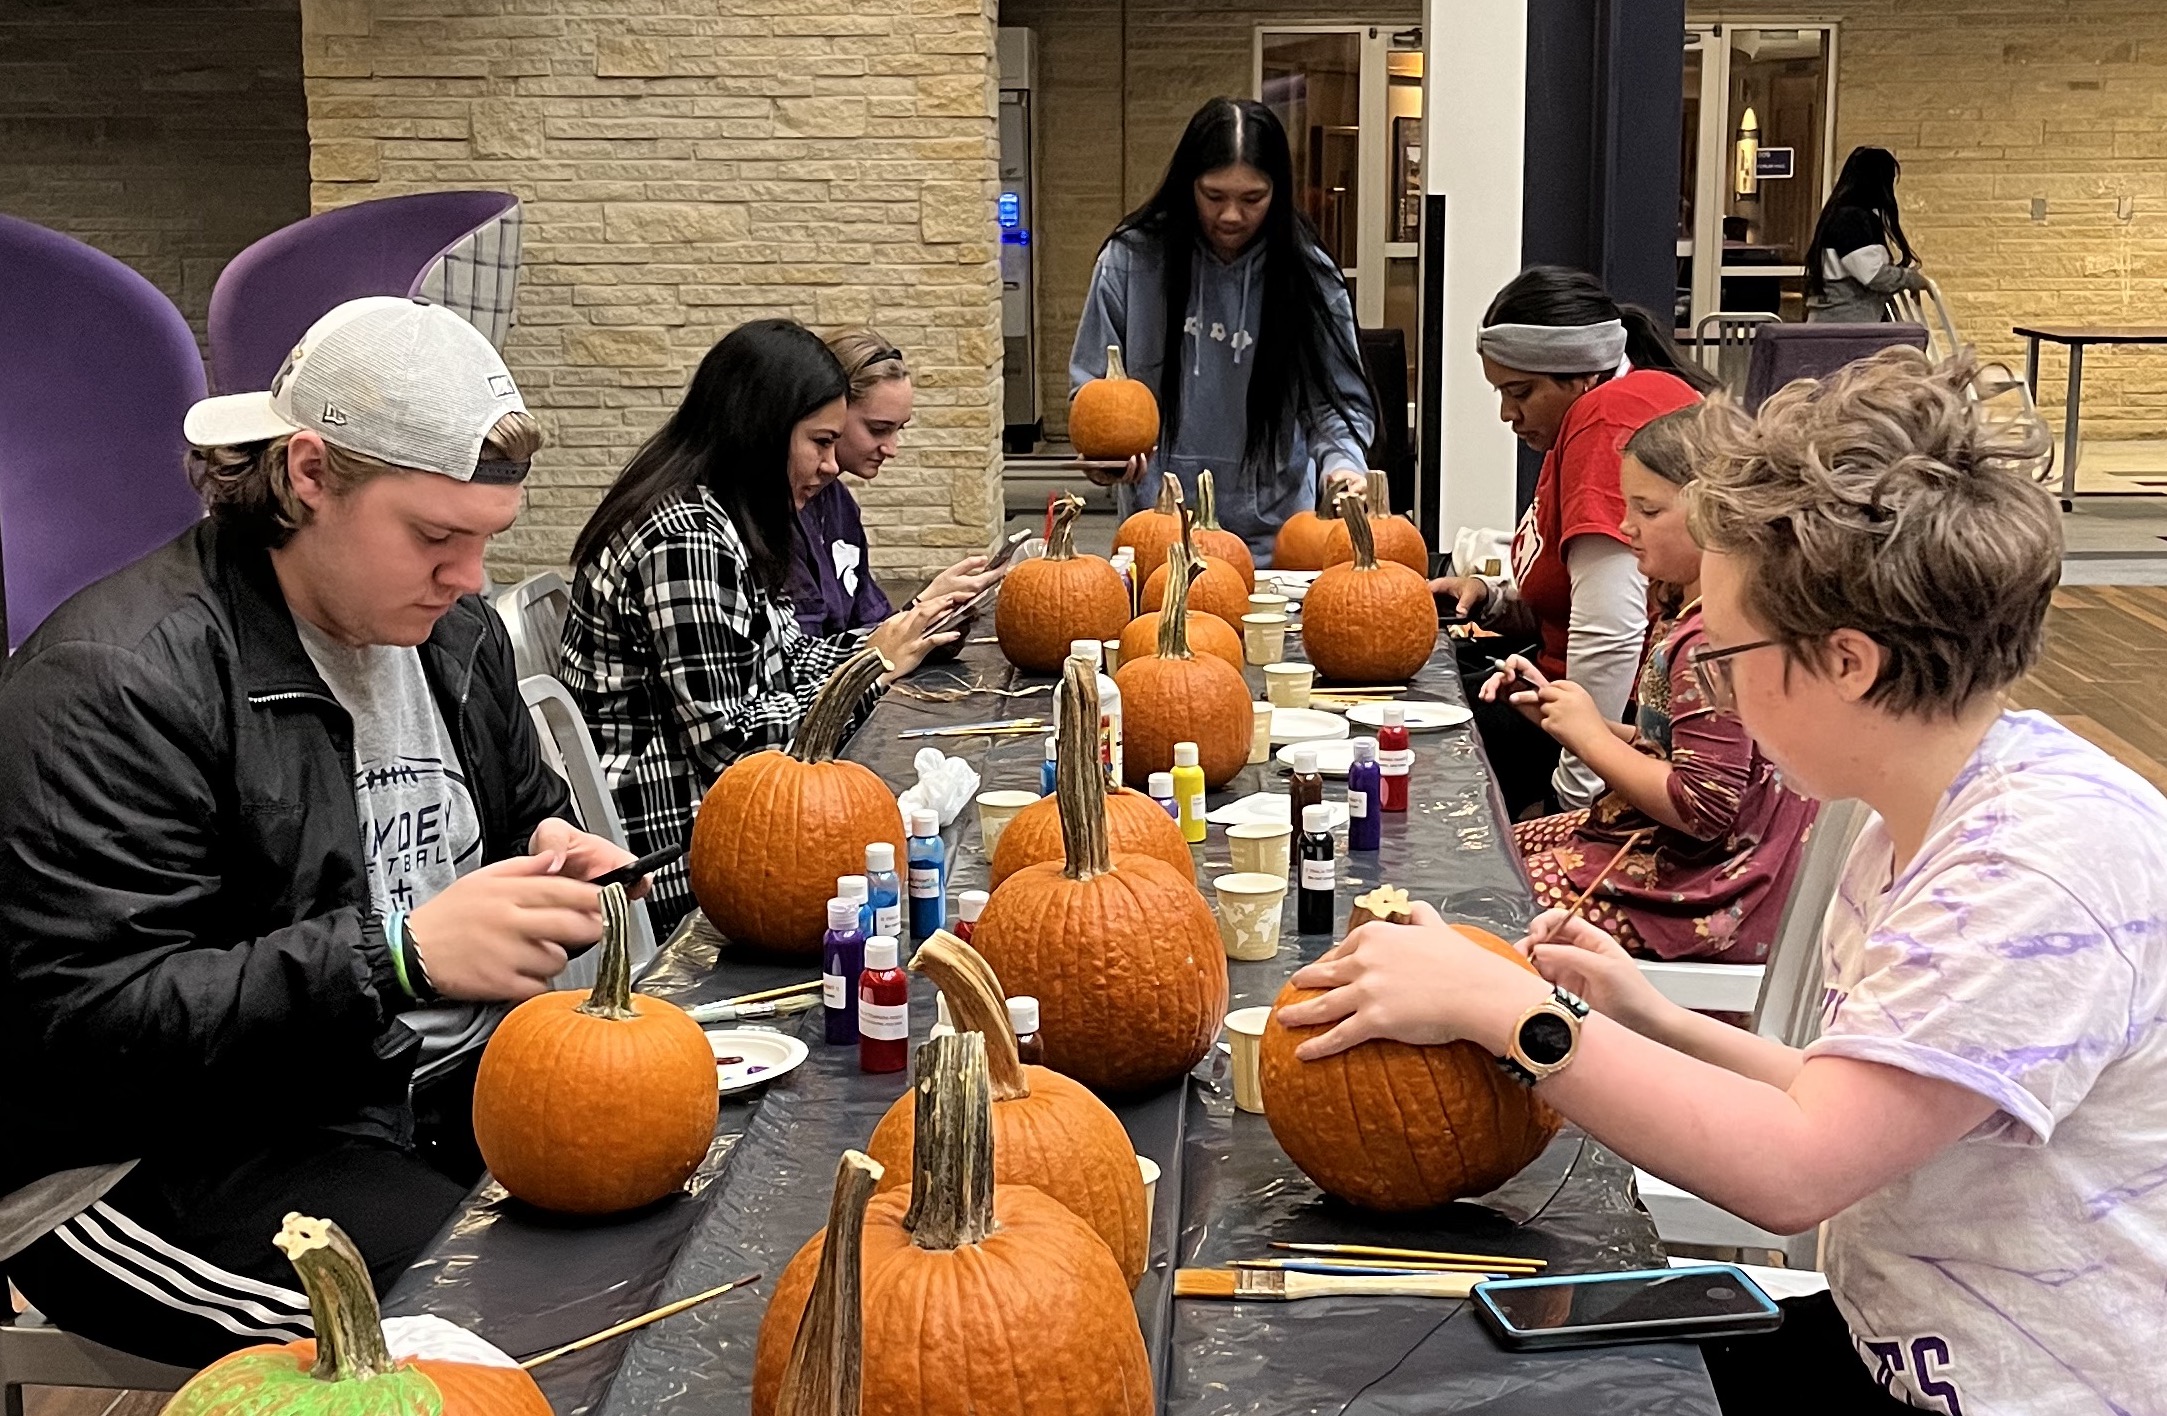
[(1582, 959)]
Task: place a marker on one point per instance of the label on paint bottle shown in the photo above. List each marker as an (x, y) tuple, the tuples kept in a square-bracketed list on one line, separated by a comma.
[(1320, 875), (834, 991), (1397, 763), (884, 1022), (1196, 806), (1358, 804), (888, 920), (925, 883)]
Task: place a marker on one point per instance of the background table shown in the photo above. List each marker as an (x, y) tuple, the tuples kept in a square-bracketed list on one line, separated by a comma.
[(528, 1281), (2077, 337)]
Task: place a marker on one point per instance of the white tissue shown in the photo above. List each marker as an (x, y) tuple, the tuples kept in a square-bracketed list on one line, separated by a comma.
[(945, 786)]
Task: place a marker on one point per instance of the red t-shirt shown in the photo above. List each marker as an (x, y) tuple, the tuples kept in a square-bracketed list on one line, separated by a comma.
[(1576, 494)]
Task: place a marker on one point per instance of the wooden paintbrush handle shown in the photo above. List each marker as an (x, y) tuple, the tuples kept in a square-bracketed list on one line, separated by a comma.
[(1435, 1285)]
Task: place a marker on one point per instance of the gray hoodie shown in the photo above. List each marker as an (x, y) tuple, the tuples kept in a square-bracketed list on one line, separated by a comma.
[(1126, 307)]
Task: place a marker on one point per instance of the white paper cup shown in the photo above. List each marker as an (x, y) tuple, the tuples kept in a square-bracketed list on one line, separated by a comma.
[(1268, 604), (1260, 732), (1287, 685), (995, 811), (1249, 910), (1264, 638), (1262, 847), (1245, 1038), (1150, 1168), (1112, 651)]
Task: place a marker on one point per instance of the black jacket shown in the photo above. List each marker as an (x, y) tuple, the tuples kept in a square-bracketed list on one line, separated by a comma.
[(189, 961)]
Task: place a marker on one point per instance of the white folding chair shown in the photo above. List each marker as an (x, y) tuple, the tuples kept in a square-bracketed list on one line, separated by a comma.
[(534, 611), (569, 751)]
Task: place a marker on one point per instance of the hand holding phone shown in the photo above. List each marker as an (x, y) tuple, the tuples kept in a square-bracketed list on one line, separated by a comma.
[(628, 875)]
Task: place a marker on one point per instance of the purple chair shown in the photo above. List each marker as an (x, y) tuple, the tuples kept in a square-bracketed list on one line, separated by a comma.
[(96, 371), (1783, 353), (456, 249)]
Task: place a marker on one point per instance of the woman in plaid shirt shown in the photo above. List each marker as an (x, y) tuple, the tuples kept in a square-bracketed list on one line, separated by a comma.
[(682, 647)]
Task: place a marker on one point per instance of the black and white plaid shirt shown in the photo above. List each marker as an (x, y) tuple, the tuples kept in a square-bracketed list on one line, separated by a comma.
[(682, 664)]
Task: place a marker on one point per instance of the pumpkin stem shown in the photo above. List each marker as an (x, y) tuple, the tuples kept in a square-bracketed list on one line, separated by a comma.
[(349, 1327), (1380, 494), (611, 996), (951, 1183), (1207, 502), (973, 992), (1114, 370), (1169, 502), (1061, 541), (821, 731), (825, 1368), (1079, 783), (1355, 514), (1174, 613)]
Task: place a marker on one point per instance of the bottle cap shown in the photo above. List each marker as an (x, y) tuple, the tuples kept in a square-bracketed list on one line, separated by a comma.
[(1395, 716), (1316, 819), (940, 1012), (1052, 743), (880, 952), (1365, 749), (1184, 756), (1305, 761), (1023, 1015), (1090, 649), (1161, 785), (879, 858), (971, 904), (925, 823), (1123, 553), (842, 914), (853, 887)]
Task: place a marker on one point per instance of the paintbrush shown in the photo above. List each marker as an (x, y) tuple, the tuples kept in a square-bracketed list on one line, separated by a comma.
[(961, 729), (1572, 911), (1382, 1266), (1378, 1251), (667, 1310), (1283, 1285), (706, 1014)]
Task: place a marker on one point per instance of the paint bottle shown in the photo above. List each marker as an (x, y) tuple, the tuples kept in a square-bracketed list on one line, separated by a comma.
[(884, 890), (1365, 824), (854, 888), (969, 906), (1319, 873), (1305, 787), (1395, 759), (1161, 788), (1023, 1021), (1188, 792), (928, 869), (1124, 564), (1109, 707), (883, 1010), (1046, 767), (842, 959)]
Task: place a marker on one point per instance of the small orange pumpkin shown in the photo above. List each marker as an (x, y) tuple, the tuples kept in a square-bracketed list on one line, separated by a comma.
[(1208, 634), (1122, 953), (1047, 603), (1149, 531), (1395, 537), (1135, 824), (1174, 696), (777, 828), (598, 1101), (1366, 622), (1114, 418), (1215, 585), (1300, 542), (1048, 1130), (1216, 542)]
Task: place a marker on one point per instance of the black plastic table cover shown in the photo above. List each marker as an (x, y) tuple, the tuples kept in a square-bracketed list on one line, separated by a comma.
[(529, 1281)]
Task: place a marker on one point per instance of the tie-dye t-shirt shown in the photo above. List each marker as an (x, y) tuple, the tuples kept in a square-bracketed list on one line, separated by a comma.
[(2023, 954)]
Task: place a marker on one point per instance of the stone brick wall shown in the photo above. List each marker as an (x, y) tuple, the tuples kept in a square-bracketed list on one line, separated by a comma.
[(1990, 104), (686, 167), (167, 133)]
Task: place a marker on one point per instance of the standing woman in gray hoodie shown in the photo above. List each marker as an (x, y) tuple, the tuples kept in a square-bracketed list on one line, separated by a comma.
[(1221, 298)]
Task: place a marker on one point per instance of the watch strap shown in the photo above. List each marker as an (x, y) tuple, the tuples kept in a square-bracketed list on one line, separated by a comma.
[(1571, 1003)]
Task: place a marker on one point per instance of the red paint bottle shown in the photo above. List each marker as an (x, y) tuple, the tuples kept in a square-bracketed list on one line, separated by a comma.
[(969, 905), (1395, 759), (883, 1010)]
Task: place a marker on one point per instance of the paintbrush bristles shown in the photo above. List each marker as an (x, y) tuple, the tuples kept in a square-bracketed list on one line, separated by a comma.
[(1203, 1283)]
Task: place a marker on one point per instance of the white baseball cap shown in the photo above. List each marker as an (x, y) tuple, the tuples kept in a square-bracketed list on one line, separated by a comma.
[(399, 380)]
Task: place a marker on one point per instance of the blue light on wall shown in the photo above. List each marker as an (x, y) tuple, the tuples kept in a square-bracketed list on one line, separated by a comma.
[(1010, 211)]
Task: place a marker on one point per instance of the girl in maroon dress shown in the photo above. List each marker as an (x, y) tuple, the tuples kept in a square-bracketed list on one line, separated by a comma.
[(1710, 878)]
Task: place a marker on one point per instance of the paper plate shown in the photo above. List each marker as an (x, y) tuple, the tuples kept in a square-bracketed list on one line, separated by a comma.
[(1268, 806), (1306, 725), (1332, 756), (1422, 716), (751, 1057), (1294, 584)]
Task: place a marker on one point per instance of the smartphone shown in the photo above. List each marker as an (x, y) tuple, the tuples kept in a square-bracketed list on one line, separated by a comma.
[(628, 875), (1002, 553), (1000, 556), (1642, 1305)]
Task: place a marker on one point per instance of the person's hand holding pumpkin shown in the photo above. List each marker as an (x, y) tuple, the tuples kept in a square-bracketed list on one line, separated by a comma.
[(1130, 474), (1585, 961), (499, 933), (1343, 479)]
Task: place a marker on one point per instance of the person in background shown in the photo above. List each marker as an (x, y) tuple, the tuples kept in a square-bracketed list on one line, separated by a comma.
[(681, 646), (1711, 878), (1576, 375), (1221, 298), (1859, 256), (831, 581)]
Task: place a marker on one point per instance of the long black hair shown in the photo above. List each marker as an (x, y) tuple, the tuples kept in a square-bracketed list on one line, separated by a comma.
[(1560, 295), (1867, 183), (731, 435), (1297, 335)]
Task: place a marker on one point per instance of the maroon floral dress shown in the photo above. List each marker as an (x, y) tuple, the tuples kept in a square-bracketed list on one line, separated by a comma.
[(1712, 891)]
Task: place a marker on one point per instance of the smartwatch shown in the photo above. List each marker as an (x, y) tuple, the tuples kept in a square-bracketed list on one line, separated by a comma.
[(1545, 1038)]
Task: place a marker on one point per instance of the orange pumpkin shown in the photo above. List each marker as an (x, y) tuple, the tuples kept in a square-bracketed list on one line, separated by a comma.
[(1122, 953), (777, 828), (1174, 696), (1215, 588), (1300, 542), (1216, 542), (1150, 531), (1395, 537), (1208, 634), (1392, 1127), (1365, 622), (974, 1296), (1114, 418), (352, 1366), (1135, 824), (1049, 602), (1048, 1130), (597, 1101)]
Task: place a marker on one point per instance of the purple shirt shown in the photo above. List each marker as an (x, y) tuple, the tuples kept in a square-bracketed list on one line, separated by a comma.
[(830, 587)]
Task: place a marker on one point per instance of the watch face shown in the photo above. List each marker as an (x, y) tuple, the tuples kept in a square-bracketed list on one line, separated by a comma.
[(1546, 1039)]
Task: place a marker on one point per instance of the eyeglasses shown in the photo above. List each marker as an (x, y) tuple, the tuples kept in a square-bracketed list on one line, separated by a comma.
[(1712, 672)]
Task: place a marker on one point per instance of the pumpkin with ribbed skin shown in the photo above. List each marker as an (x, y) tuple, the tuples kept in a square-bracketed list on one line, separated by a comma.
[(1300, 542), (1213, 540), (353, 1366), (1174, 696), (777, 828), (976, 1297), (1121, 952), (1048, 1130), (1458, 1126), (1215, 588), (1150, 530), (1114, 418), (1135, 824), (1208, 634), (1365, 621), (1395, 537), (1048, 603), (598, 1101)]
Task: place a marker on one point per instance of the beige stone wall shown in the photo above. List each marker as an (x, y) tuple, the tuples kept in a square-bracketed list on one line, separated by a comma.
[(687, 167), (167, 134), (1100, 157), (1991, 103)]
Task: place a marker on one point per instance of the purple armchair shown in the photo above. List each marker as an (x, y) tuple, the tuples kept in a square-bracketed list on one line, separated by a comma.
[(456, 249), (96, 370), (1783, 353)]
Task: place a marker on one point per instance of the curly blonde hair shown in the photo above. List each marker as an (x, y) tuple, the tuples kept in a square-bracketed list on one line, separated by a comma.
[(1888, 500)]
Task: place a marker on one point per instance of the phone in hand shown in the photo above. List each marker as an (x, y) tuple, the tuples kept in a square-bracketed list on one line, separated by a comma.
[(629, 875), (1640, 1305), (1000, 556)]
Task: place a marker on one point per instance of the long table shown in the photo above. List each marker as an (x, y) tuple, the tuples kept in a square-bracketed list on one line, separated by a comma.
[(529, 1281)]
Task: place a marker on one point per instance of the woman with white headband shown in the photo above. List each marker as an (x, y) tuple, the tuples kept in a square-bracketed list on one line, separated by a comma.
[(1576, 375)]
